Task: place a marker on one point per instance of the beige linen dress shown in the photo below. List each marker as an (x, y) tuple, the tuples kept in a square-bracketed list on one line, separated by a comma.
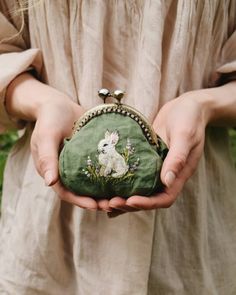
[(155, 50)]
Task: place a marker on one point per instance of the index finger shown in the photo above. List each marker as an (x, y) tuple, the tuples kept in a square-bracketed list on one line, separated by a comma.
[(162, 200), (80, 201)]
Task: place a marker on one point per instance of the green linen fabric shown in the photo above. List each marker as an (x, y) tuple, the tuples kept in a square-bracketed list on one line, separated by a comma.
[(80, 165)]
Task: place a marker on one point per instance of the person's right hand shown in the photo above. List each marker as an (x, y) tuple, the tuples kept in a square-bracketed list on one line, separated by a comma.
[(54, 122), (54, 114)]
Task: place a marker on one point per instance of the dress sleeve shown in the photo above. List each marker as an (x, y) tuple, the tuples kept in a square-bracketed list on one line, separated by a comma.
[(226, 71), (15, 58)]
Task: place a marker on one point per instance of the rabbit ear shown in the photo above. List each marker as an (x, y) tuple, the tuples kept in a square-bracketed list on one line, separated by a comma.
[(107, 134), (114, 137)]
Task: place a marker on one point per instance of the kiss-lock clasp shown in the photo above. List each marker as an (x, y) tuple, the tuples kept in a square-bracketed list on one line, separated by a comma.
[(117, 94)]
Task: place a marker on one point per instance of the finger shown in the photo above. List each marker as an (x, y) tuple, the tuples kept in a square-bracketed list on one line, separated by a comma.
[(176, 159), (192, 162), (116, 202), (120, 204), (168, 197), (80, 201), (46, 158), (104, 205), (162, 200)]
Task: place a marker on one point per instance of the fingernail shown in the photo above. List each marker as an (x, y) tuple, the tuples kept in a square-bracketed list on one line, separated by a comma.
[(48, 178), (170, 178)]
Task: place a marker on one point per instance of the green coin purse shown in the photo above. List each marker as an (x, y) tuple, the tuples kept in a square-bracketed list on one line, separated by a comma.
[(113, 151)]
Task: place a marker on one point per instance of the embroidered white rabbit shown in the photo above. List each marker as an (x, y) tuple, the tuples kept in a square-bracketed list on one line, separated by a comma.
[(109, 159)]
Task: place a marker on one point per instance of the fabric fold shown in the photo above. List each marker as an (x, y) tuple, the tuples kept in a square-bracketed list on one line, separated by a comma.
[(226, 70), (15, 58), (12, 65)]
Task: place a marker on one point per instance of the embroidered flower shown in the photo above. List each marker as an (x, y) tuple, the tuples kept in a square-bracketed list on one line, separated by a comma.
[(89, 161), (129, 147)]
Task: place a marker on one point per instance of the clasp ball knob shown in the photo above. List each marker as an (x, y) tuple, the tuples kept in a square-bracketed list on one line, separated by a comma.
[(118, 94), (104, 93)]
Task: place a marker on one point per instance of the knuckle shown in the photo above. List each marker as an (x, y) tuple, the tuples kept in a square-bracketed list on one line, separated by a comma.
[(180, 161), (169, 200), (168, 204), (43, 162), (62, 197), (191, 171), (188, 133)]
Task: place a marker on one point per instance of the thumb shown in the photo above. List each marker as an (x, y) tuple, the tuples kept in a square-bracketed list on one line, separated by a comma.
[(175, 160), (47, 160)]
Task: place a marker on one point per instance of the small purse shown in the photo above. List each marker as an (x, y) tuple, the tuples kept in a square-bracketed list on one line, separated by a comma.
[(113, 151)]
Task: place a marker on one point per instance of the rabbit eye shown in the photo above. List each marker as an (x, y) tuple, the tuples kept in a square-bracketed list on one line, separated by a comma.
[(105, 144)]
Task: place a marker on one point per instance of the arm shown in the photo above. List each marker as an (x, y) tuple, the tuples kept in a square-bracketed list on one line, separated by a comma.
[(28, 99), (213, 106), (15, 56), (221, 101), (181, 123), (54, 114)]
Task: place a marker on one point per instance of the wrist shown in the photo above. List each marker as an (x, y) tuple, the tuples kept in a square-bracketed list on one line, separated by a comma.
[(220, 103), (23, 97), (204, 102), (26, 97)]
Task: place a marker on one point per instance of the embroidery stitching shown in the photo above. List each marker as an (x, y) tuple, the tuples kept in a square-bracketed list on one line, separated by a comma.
[(111, 166)]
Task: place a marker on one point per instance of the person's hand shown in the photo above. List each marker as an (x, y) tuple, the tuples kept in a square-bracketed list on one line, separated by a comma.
[(181, 124), (54, 122), (54, 114)]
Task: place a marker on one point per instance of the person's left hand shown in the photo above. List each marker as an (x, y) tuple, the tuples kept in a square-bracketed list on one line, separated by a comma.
[(181, 124)]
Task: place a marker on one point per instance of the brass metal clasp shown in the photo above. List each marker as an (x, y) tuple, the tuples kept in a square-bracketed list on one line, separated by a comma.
[(117, 94)]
